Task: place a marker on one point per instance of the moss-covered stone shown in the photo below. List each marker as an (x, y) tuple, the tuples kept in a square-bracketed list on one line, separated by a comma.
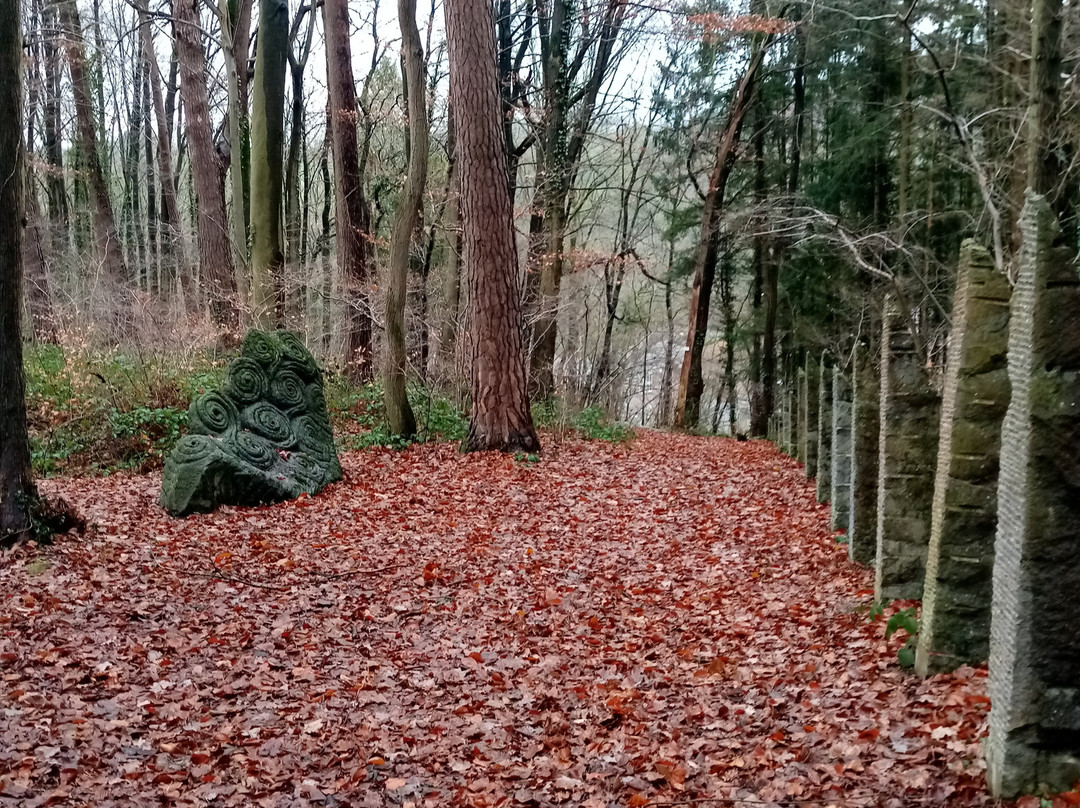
[(264, 437)]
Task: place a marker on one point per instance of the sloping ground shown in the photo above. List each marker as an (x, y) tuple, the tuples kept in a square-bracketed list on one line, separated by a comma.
[(611, 626)]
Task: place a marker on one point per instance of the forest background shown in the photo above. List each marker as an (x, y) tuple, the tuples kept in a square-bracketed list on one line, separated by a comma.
[(704, 194)]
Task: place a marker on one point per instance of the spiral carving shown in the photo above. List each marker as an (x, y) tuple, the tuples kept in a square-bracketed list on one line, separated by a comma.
[(212, 414), (245, 381), (287, 390), (255, 450), (262, 348)]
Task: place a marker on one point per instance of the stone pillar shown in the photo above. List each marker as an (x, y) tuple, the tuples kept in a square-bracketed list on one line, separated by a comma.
[(955, 624), (1035, 633), (801, 394), (910, 414), (787, 438), (862, 526), (840, 494), (808, 407), (824, 431)]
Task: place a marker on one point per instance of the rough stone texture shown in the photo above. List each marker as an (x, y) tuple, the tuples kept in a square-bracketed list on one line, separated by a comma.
[(862, 526), (955, 624), (808, 420), (824, 430), (787, 417), (264, 437), (840, 494), (910, 416), (1035, 633)]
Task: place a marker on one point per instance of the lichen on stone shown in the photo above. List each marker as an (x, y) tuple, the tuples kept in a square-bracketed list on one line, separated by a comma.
[(264, 437)]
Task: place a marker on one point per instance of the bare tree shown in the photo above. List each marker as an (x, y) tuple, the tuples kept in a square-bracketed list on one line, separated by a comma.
[(353, 216)]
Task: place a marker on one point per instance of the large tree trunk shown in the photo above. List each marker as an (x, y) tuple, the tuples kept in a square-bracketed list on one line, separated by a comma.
[(16, 483), (215, 256), (103, 223), (406, 222), (691, 382), (267, 144), (173, 257), (353, 217), (500, 417)]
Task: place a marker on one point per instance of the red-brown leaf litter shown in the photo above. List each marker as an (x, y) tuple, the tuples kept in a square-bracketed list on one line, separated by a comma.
[(615, 625)]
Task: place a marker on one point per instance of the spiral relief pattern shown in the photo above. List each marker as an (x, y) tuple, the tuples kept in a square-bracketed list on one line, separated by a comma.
[(287, 390), (264, 437), (212, 414), (264, 419), (195, 449), (257, 451), (262, 347), (245, 381)]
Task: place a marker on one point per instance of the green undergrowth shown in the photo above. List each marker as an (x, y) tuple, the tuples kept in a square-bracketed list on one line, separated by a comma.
[(99, 412), (591, 423)]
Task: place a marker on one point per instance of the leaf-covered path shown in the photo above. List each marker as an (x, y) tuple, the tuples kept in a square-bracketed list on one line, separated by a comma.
[(611, 626)]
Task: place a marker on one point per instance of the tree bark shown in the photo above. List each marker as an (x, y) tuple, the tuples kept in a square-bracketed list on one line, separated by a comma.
[(291, 292), (353, 216), (16, 482), (691, 383), (173, 254), (215, 256), (235, 22), (267, 169), (35, 268), (53, 130), (103, 223), (406, 222), (500, 417)]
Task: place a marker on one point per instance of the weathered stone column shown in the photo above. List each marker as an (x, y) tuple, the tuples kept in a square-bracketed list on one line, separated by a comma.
[(955, 624), (787, 439), (824, 430), (840, 494), (862, 526), (1035, 634), (910, 414), (808, 421), (801, 395)]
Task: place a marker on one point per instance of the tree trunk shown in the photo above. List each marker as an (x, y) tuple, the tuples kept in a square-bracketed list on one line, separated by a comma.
[(406, 221), (215, 256), (173, 254), (103, 223), (235, 22), (53, 129), (1050, 165), (16, 482), (291, 291), (691, 383), (353, 217), (267, 144), (35, 268), (500, 417), (452, 288)]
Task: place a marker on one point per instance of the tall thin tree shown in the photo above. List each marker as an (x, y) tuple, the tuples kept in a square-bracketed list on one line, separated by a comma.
[(16, 482)]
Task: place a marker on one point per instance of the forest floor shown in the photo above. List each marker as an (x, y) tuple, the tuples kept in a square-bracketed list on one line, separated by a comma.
[(651, 623)]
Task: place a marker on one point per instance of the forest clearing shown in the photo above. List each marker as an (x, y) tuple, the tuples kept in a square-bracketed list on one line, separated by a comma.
[(617, 624)]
